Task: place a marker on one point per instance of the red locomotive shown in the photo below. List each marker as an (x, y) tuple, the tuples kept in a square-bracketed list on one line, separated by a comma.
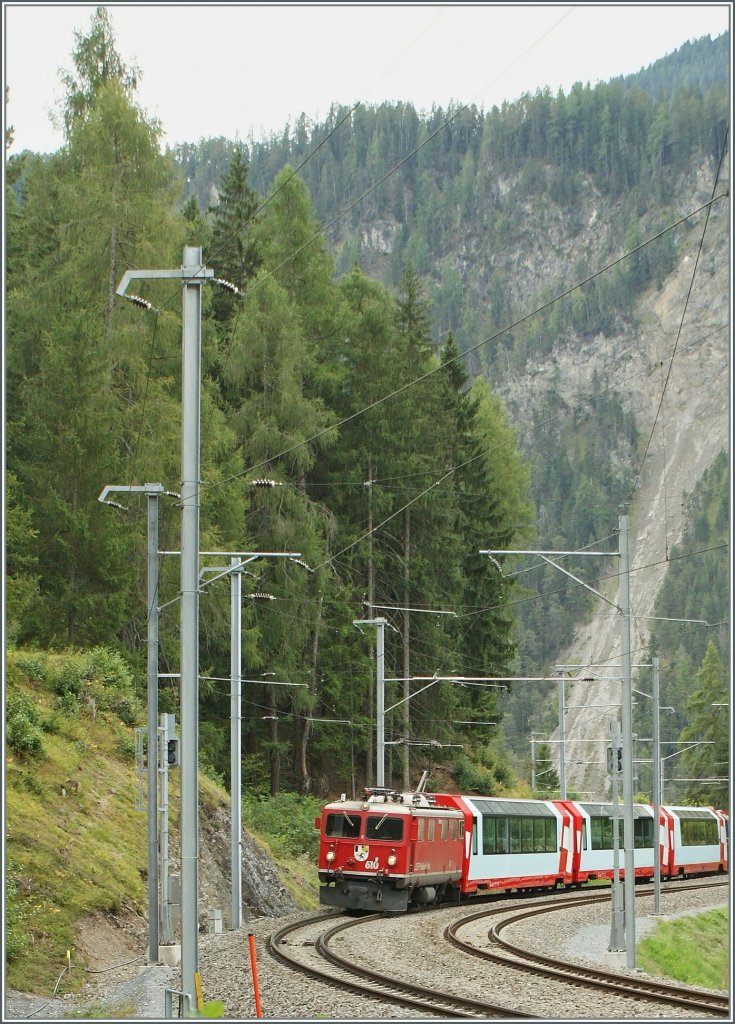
[(390, 850), (393, 850)]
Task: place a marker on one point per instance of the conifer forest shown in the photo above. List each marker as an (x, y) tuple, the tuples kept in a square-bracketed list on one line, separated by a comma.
[(353, 408)]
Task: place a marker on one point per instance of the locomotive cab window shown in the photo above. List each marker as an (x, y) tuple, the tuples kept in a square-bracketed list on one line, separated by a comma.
[(342, 826), (383, 827)]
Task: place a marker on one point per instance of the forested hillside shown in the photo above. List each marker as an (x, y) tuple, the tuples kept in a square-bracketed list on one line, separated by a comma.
[(502, 212), (398, 274), (297, 376)]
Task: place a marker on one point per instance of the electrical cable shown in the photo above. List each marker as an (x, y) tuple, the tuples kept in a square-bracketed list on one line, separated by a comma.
[(430, 373)]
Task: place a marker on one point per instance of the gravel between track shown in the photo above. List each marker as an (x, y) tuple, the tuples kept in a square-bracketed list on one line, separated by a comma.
[(411, 946)]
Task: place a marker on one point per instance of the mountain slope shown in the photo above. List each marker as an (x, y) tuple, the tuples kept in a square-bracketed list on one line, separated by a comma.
[(675, 376)]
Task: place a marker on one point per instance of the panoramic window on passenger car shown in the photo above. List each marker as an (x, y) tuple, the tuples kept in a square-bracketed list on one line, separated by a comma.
[(488, 835), (699, 832), (601, 834), (501, 835), (496, 834), (643, 833), (540, 843), (383, 827), (343, 825)]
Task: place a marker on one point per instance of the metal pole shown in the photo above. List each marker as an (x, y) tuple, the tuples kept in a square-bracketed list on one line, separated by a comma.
[(627, 725), (562, 765), (380, 686), (153, 722), (190, 462), (533, 762), (656, 793), (236, 742), (380, 708), (167, 933), (617, 924)]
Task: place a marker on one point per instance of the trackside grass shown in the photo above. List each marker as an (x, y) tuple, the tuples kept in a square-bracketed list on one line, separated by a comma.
[(693, 950)]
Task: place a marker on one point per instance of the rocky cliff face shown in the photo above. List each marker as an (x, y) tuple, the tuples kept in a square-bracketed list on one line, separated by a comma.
[(673, 373)]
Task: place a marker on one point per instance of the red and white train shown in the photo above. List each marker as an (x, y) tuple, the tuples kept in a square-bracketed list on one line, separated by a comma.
[(393, 850)]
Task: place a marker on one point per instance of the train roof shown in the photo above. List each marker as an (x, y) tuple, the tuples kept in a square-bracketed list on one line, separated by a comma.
[(395, 801), (692, 812)]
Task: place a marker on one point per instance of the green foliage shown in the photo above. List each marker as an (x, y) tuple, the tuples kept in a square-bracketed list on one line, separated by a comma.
[(303, 351), (16, 915), (22, 730), (99, 679), (286, 821), (471, 777)]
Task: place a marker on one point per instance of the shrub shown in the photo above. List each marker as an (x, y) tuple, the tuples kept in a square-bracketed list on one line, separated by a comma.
[(23, 734), (211, 772), (125, 746), (286, 820), (32, 783), (109, 668), (474, 777), (256, 771), (68, 679), (67, 704), (33, 665), (127, 710)]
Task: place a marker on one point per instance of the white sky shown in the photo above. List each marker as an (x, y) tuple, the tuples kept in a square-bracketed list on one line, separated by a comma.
[(237, 69)]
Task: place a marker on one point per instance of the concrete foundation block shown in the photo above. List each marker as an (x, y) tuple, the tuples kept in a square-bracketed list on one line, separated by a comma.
[(170, 955)]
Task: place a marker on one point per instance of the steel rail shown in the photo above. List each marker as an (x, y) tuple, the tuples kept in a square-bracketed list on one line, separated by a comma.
[(376, 985), (576, 973)]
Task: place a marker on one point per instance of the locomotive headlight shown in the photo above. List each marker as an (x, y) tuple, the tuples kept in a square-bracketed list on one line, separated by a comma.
[(330, 856), (392, 860)]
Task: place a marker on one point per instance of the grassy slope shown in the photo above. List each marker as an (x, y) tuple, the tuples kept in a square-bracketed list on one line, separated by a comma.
[(693, 950), (85, 852)]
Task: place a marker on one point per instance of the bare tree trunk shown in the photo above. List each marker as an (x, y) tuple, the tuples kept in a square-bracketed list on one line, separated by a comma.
[(306, 780)]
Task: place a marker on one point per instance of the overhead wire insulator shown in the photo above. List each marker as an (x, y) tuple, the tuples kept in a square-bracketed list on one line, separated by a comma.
[(301, 562), (260, 597), (143, 303), (263, 482), (228, 285)]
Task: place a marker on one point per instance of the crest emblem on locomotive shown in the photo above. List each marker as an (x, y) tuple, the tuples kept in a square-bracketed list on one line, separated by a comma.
[(361, 852)]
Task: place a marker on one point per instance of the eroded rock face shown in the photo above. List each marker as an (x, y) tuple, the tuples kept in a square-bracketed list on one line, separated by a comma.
[(672, 373), (264, 895)]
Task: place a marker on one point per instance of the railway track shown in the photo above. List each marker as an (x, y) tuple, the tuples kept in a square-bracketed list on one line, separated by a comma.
[(309, 946), (327, 965), (505, 952)]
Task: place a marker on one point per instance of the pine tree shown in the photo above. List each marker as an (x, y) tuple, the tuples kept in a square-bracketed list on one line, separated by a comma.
[(708, 760), (233, 254)]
